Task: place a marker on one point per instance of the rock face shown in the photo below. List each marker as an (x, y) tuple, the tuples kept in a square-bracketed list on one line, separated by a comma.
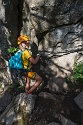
[(19, 108), (45, 109), (79, 101), (56, 26), (5, 77)]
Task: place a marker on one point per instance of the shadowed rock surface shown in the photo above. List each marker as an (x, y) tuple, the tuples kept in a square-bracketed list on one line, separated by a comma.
[(56, 26)]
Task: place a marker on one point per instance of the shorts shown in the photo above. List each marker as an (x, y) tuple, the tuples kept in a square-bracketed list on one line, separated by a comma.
[(23, 72), (31, 75)]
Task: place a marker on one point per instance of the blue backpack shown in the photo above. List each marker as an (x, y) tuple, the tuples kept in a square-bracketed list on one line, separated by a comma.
[(16, 60)]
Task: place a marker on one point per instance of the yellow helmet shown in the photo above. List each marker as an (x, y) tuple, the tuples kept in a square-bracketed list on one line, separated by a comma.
[(22, 38)]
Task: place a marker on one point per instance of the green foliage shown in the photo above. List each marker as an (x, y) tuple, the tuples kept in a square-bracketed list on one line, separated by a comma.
[(15, 89), (12, 50), (78, 72), (75, 81)]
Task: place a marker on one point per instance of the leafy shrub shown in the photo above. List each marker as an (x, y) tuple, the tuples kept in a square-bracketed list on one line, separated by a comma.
[(75, 81), (12, 50), (78, 72)]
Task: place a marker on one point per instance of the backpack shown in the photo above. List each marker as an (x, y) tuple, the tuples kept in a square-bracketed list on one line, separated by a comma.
[(16, 60)]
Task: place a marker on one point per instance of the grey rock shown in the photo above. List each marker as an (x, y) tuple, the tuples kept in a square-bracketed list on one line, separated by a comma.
[(79, 100)]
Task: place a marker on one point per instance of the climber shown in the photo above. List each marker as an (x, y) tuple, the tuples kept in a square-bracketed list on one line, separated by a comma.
[(27, 60)]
